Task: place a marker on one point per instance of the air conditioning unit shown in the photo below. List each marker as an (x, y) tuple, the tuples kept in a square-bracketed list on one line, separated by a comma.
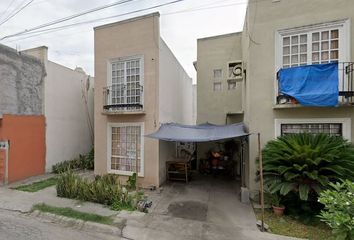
[(235, 71)]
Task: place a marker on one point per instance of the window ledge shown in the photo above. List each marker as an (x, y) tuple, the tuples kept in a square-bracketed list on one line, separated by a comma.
[(123, 173), (289, 106), (137, 112)]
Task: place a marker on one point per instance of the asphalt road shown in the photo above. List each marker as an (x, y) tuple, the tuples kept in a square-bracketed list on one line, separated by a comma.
[(17, 226)]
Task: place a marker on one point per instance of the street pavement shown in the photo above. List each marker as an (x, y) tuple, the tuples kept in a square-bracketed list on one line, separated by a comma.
[(18, 226)]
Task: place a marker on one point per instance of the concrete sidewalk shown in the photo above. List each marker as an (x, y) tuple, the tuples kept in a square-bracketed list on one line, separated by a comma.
[(204, 209), (15, 200)]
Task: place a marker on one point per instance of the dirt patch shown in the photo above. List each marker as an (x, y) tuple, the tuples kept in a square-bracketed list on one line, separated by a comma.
[(188, 209)]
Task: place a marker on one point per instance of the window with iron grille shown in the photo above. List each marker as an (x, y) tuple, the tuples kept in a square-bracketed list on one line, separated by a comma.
[(126, 149), (314, 44), (313, 47), (333, 129), (126, 88)]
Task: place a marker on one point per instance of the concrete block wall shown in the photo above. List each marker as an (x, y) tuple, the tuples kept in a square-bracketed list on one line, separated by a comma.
[(22, 83)]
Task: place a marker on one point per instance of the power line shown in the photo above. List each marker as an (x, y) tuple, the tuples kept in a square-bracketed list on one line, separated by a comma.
[(54, 29), (16, 12), (68, 18), (59, 28), (203, 8), (89, 21), (8, 7)]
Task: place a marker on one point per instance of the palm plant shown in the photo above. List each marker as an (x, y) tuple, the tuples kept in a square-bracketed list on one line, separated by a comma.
[(306, 163)]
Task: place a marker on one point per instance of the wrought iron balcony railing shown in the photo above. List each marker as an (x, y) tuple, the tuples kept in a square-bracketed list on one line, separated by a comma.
[(123, 97), (346, 88)]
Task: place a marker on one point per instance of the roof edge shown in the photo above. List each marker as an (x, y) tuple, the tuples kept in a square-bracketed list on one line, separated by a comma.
[(154, 14), (219, 36)]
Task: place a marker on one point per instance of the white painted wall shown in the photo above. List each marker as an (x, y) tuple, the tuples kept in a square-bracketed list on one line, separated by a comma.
[(175, 89), (69, 120), (176, 101)]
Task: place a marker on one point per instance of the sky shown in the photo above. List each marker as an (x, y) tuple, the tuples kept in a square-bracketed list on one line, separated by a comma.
[(181, 24)]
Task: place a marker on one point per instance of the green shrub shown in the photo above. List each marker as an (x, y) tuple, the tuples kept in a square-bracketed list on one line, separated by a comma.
[(68, 185), (305, 164), (82, 162), (339, 209), (131, 183), (127, 201), (104, 189), (87, 161)]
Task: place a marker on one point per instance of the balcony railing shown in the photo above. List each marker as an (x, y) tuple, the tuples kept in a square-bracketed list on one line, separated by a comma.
[(346, 88), (123, 98)]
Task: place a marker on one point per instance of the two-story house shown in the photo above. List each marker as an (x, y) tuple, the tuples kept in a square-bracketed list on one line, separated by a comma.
[(312, 38), (287, 34), (139, 84)]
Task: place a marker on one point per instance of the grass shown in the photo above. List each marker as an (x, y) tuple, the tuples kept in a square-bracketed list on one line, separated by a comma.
[(291, 227), (71, 213), (36, 186)]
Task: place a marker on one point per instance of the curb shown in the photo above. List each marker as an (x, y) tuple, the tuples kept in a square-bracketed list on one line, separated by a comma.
[(77, 223)]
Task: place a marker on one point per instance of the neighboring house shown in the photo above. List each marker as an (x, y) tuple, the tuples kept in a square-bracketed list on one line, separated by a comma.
[(284, 34), (22, 122), (219, 87), (139, 85), (68, 109), (46, 113), (219, 84)]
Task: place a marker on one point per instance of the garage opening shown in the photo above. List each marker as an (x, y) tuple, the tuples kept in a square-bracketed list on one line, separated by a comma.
[(210, 164), (205, 151)]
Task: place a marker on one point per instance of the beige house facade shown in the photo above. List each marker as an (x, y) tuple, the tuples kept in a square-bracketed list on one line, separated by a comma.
[(139, 85), (284, 34), (219, 90)]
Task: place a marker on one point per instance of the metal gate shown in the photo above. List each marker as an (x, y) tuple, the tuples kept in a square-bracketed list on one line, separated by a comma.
[(4, 156)]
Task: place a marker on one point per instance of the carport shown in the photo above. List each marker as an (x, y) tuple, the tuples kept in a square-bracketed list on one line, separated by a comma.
[(214, 201), (206, 133)]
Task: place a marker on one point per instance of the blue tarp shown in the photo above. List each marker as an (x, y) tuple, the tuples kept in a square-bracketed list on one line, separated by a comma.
[(311, 85)]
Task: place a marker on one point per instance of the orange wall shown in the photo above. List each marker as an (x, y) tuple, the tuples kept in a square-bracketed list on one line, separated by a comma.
[(2, 166), (27, 145)]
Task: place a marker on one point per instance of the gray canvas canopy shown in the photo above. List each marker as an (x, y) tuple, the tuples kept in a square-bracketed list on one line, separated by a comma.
[(206, 132)]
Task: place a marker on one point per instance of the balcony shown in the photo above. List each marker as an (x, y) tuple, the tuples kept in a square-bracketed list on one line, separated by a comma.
[(345, 87), (123, 99)]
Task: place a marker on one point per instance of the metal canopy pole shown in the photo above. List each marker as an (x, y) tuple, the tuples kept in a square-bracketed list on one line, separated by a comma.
[(261, 179), (136, 159)]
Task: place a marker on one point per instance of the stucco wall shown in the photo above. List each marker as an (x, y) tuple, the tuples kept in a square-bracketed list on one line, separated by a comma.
[(69, 118), (176, 101), (176, 89), (26, 136), (139, 36), (68, 108), (167, 151), (215, 53), (22, 83), (261, 27)]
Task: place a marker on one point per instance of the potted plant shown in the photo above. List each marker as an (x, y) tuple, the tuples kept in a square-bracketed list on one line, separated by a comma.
[(278, 208)]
